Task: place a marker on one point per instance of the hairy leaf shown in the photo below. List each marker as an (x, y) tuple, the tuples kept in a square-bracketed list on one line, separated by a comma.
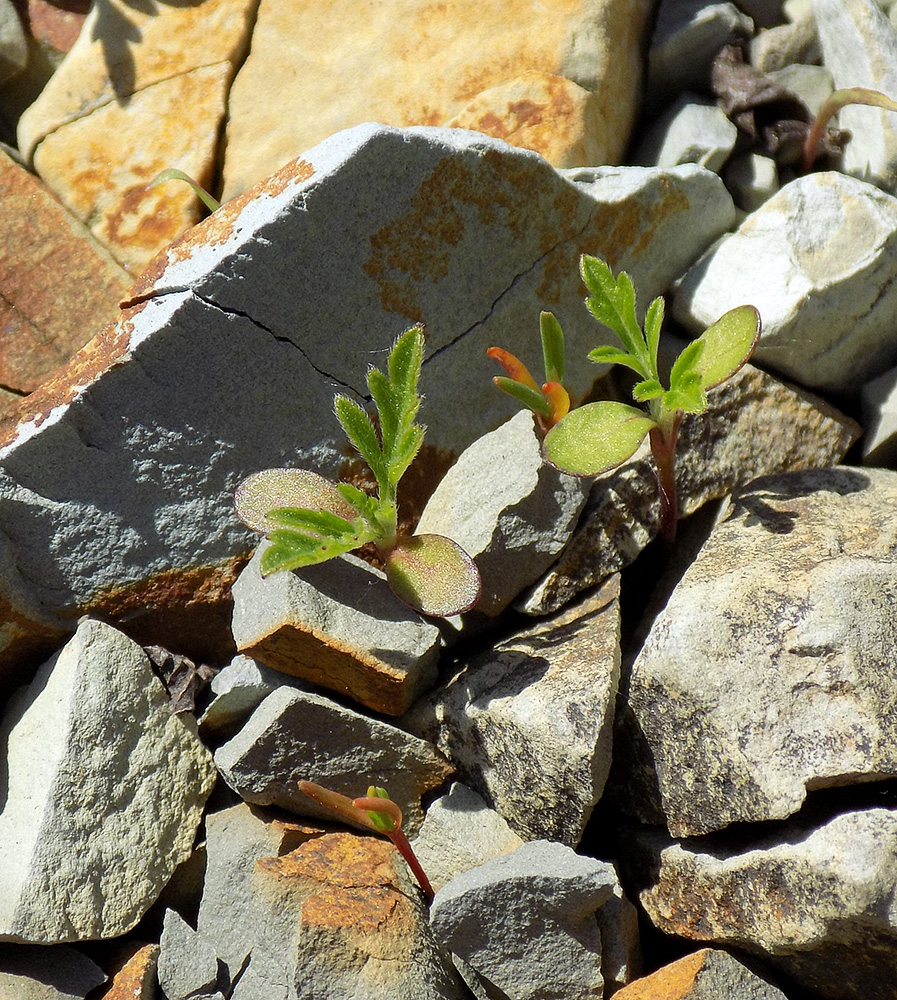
[(653, 323), (433, 575), (294, 549), (319, 522), (360, 431), (272, 488), (614, 356), (648, 389), (596, 437), (685, 364), (613, 304)]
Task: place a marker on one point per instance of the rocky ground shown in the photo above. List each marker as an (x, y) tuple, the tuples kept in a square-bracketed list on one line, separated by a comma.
[(629, 771)]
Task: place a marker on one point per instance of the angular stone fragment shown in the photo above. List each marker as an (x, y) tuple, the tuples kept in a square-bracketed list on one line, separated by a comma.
[(58, 286), (818, 261), (338, 625), (324, 919), (116, 489), (546, 944), (293, 736), (134, 977), (13, 47), (117, 113), (708, 974), (859, 47), (483, 68), (879, 402), (530, 721), (815, 904), (32, 972), (105, 791), (691, 130), (507, 508), (188, 963), (752, 179), (787, 44), (460, 832), (754, 425), (768, 673)]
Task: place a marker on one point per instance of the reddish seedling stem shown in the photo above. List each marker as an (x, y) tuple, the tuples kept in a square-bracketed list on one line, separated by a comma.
[(663, 448)]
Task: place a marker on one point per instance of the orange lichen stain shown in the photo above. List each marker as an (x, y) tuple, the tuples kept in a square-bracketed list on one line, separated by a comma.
[(217, 228), (132, 974), (417, 247), (672, 982), (145, 217)]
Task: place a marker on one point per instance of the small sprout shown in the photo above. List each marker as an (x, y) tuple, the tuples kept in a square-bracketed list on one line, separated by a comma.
[(173, 174), (374, 811), (599, 436), (833, 104), (551, 401), (310, 519)]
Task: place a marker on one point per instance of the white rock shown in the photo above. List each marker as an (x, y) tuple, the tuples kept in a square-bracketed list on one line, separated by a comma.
[(859, 47), (691, 130), (13, 46), (106, 789), (752, 179), (818, 261), (507, 508), (768, 672), (812, 84)]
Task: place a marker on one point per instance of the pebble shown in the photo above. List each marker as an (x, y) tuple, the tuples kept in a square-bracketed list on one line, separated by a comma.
[(691, 130)]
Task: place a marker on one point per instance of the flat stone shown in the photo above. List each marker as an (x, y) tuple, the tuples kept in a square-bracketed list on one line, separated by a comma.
[(691, 130), (512, 524), (546, 944), (32, 972), (484, 69), (768, 676), (754, 425), (116, 487), (117, 113), (94, 729), (814, 904), (57, 284), (822, 247), (339, 625), (528, 724), (859, 47), (134, 978), (293, 736), (708, 974), (188, 963), (460, 832)]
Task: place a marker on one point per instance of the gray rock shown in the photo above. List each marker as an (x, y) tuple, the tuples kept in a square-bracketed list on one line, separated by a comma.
[(546, 945), (295, 736), (815, 904), (35, 972), (334, 917), (13, 45), (105, 792), (691, 130), (768, 672), (340, 626), (708, 974), (687, 36), (621, 952), (528, 723), (818, 261), (752, 179), (460, 832), (507, 508), (787, 44), (753, 426), (879, 404), (859, 47), (812, 84), (188, 964), (303, 282)]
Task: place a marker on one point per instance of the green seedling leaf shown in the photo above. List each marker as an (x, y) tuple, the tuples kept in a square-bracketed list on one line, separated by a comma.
[(293, 549), (653, 323), (433, 575), (361, 432), (684, 365), (613, 304), (173, 174), (313, 522), (728, 344), (367, 506), (384, 822), (649, 389), (614, 356), (596, 437), (533, 399), (264, 491), (552, 347)]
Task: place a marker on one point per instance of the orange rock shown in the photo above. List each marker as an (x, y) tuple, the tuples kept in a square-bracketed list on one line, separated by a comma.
[(486, 66), (672, 982), (133, 976)]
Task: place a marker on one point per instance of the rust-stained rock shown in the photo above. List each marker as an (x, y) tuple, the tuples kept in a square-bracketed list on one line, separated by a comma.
[(58, 286), (499, 67), (704, 975), (134, 975), (117, 112)]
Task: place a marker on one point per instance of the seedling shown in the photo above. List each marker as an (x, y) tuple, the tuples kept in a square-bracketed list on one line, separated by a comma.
[(173, 174), (310, 519), (838, 100), (376, 811), (595, 438)]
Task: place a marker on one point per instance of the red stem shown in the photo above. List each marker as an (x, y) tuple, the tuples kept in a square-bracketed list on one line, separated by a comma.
[(663, 448), (403, 846)]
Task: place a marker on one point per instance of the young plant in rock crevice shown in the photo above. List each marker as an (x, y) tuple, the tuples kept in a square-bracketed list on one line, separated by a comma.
[(597, 437), (831, 106), (310, 519), (377, 812), (173, 174)]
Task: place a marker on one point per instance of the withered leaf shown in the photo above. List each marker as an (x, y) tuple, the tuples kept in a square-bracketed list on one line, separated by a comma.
[(183, 679)]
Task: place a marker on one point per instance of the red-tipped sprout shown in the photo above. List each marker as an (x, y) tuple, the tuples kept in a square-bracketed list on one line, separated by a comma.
[(838, 100), (374, 811)]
